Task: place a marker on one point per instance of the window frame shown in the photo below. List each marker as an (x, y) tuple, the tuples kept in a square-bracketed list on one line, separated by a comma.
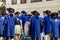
[(48, 0), (13, 3), (21, 2), (36, 1)]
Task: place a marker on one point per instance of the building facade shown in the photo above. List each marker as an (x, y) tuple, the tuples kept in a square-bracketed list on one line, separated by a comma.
[(30, 5)]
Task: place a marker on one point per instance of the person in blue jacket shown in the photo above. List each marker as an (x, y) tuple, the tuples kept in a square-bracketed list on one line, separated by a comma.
[(24, 17), (10, 22), (1, 26), (3, 17), (46, 22), (30, 15), (47, 27), (35, 26), (55, 22)]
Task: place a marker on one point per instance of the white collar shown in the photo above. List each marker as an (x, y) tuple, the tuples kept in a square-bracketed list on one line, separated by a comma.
[(56, 20)]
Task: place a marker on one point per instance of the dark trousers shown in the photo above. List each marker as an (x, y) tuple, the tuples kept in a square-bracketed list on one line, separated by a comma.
[(59, 34), (7, 38), (1, 35), (54, 38), (11, 37)]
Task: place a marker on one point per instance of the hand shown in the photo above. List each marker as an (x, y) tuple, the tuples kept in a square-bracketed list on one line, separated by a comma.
[(42, 34), (18, 19)]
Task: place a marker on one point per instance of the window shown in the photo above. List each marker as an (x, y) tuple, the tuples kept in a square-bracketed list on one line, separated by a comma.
[(14, 1), (23, 1), (48, 0), (4, 1), (35, 1), (58, 11)]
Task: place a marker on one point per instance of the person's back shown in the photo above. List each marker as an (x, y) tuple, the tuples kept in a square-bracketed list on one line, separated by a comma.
[(35, 27), (24, 18), (47, 24), (55, 23), (10, 22), (1, 26)]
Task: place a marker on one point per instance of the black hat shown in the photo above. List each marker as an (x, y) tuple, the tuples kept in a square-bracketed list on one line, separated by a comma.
[(54, 14), (23, 12), (29, 15), (17, 13), (47, 11), (8, 9), (33, 12)]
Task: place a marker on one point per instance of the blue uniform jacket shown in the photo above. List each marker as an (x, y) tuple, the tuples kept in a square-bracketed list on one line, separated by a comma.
[(10, 22), (55, 27), (35, 26), (24, 18), (1, 25), (47, 27)]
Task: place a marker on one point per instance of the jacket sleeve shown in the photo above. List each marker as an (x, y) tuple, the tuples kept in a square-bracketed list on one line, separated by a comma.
[(42, 26), (5, 20), (16, 21), (30, 27)]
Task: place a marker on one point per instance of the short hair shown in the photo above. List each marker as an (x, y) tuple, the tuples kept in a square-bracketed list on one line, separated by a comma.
[(17, 13), (29, 15), (23, 12), (54, 14), (35, 12), (47, 11), (9, 9)]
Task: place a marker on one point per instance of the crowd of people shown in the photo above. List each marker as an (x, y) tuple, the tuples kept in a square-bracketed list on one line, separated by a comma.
[(14, 25)]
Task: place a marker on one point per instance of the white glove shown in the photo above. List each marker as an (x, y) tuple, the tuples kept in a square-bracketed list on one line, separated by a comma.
[(42, 34), (18, 19)]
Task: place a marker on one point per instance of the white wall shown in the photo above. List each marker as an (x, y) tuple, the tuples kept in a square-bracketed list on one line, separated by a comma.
[(53, 5)]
